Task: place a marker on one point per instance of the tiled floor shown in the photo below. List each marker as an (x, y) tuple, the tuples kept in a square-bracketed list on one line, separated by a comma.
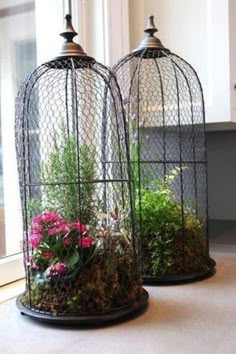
[(198, 318)]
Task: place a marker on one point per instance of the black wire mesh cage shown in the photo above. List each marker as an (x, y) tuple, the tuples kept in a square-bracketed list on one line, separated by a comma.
[(80, 251), (164, 105)]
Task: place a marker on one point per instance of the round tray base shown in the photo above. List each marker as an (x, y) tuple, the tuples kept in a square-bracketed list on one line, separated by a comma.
[(175, 279), (114, 316)]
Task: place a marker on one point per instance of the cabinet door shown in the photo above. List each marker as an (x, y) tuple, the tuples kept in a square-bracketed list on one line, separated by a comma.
[(232, 34), (197, 30)]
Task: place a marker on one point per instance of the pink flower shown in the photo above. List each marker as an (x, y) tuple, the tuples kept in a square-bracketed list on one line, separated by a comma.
[(56, 269), (36, 229), (67, 240), (47, 217), (47, 255), (35, 267), (79, 227), (60, 228), (85, 241), (35, 239), (36, 235), (37, 219)]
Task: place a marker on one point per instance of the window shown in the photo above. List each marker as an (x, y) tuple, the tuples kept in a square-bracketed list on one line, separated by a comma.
[(18, 56), (29, 35)]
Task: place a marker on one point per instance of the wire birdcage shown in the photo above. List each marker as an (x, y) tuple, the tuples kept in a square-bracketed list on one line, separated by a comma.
[(80, 247), (164, 106)]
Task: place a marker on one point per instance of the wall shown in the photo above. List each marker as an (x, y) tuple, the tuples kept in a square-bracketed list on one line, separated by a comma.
[(193, 29), (179, 29), (222, 174), (206, 24), (221, 149)]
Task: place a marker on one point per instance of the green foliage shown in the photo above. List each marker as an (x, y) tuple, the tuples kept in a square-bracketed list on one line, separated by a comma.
[(60, 173), (87, 174), (74, 258), (34, 207), (160, 211), (171, 234), (161, 251)]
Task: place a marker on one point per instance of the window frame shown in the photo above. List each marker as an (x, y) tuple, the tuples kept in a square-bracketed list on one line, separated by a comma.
[(11, 266), (111, 18)]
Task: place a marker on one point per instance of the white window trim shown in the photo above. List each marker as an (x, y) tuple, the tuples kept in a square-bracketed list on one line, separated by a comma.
[(103, 27), (49, 23), (11, 266), (116, 30), (11, 269)]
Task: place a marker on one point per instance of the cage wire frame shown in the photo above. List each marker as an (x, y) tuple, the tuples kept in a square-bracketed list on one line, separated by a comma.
[(74, 171), (165, 113)]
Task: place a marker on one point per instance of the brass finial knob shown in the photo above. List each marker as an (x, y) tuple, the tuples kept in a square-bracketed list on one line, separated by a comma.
[(69, 32), (70, 48), (151, 28), (150, 41)]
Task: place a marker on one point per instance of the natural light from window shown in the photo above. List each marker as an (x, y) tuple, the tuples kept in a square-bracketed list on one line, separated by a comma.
[(18, 57)]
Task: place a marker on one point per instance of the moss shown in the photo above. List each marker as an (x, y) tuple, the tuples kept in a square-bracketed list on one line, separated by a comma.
[(95, 289)]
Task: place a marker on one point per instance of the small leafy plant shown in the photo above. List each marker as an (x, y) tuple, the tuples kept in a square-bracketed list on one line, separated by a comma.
[(171, 234)]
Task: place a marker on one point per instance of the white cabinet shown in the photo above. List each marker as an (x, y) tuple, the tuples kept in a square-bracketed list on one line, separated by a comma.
[(204, 33)]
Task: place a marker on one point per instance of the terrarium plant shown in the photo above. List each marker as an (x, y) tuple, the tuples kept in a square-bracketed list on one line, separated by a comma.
[(80, 257), (80, 243), (172, 235), (62, 166), (164, 106), (78, 268)]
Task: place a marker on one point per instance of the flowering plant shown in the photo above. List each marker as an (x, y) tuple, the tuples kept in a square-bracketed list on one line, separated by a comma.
[(57, 245), (79, 268)]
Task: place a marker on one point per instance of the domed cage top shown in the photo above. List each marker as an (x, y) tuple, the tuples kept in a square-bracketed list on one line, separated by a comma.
[(80, 251), (164, 105)]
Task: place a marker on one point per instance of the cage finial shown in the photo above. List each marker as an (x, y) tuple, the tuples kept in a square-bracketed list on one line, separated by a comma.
[(150, 41), (69, 47), (69, 32), (151, 28)]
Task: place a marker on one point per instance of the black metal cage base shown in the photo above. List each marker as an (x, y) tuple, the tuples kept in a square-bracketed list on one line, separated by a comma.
[(175, 279), (114, 316)]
